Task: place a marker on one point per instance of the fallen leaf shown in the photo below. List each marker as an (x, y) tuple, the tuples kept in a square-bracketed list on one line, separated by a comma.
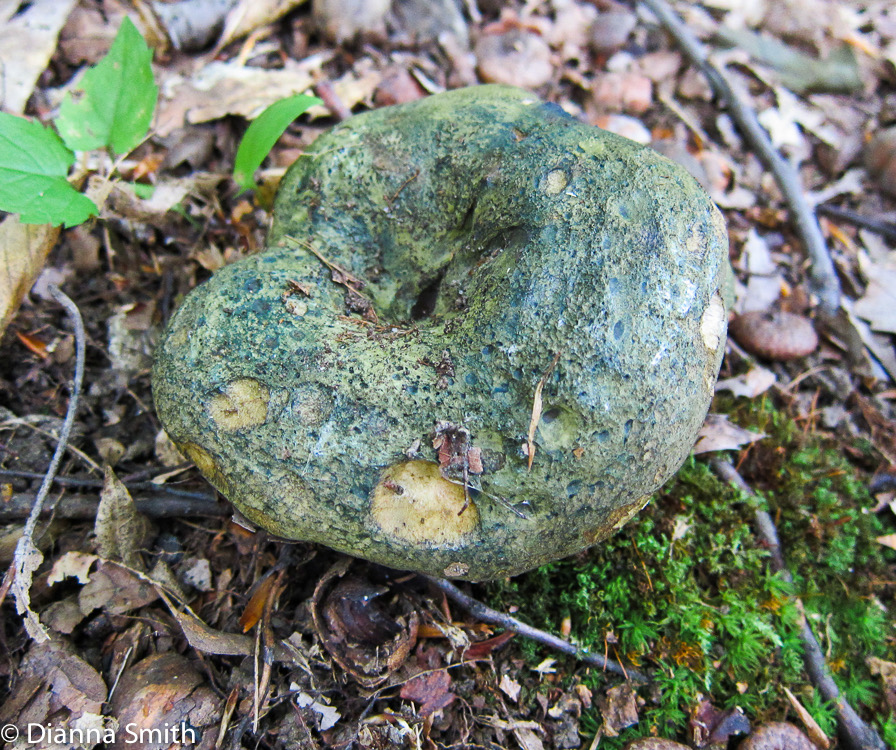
[(888, 540), (878, 304), (482, 649), (756, 381), (120, 529), (72, 565), (248, 15), (718, 434), (27, 42), (510, 687), (711, 726), (432, 691), (116, 590), (515, 58), (619, 709), (546, 666), (23, 250), (887, 672), (230, 88), (329, 716), (158, 695)]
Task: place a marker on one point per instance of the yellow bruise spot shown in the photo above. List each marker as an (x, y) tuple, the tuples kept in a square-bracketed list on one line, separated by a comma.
[(413, 502), (713, 322), (243, 404)]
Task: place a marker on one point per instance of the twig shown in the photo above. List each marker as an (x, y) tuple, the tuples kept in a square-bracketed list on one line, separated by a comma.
[(885, 229), (98, 483), (331, 100), (84, 507), (856, 733), (27, 558), (822, 275), (493, 617)]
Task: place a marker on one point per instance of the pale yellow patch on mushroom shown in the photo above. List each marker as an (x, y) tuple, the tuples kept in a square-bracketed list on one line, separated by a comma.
[(243, 404), (555, 182), (415, 503), (712, 324), (205, 462)]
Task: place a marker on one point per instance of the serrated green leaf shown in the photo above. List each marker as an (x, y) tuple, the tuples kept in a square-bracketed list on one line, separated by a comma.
[(34, 163), (263, 133), (114, 102)]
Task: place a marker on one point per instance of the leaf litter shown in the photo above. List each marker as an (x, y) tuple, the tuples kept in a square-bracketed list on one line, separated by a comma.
[(145, 257)]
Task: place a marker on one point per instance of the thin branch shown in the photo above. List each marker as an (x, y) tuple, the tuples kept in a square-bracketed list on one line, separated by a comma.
[(27, 558), (886, 229), (493, 617), (822, 274), (857, 734), (84, 507), (98, 483)]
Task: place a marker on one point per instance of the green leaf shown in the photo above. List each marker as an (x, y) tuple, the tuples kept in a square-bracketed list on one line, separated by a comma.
[(263, 133), (114, 102), (34, 163)]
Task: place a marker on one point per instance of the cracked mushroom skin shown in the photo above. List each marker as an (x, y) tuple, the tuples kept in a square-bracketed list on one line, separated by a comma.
[(454, 261)]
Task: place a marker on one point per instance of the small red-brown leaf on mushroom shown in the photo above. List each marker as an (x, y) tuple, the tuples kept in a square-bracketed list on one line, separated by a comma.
[(775, 335)]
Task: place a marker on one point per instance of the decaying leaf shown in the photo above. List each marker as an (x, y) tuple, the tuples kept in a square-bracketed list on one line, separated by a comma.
[(27, 42), (887, 672), (166, 693), (120, 529), (718, 434), (23, 250), (756, 381), (329, 716), (619, 709), (510, 687), (431, 690)]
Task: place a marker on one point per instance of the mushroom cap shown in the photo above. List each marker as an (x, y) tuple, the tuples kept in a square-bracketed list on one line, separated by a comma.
[(445, 280)]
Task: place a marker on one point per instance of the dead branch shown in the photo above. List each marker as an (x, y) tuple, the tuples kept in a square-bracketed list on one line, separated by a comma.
[(27, 558), (855, 732), (886, 229), (493, 617), (823, 279), (83, 507)]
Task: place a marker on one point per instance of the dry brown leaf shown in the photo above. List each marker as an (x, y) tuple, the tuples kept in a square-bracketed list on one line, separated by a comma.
[(432, 691), (249, 15), (229, 88), (120, 530), (619, 709), (115, 589), (254, 609), (27, 42), (887, 672), (718, 434), (161, 695), (753, 383), (23, 250)]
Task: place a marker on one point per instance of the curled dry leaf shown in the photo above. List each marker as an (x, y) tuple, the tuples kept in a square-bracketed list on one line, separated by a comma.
[(777, 735), (355, 632), (774, 334)]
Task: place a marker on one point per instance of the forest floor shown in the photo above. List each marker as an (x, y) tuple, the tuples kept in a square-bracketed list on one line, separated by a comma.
[(241, 648)]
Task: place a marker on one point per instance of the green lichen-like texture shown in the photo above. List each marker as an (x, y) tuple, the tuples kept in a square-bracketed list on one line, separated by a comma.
[(493, 234)]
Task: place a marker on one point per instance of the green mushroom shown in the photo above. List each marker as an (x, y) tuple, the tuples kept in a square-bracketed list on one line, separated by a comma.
[(482, 334)]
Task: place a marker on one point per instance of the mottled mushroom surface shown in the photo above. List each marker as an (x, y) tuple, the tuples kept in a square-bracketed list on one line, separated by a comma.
[(436, 272)]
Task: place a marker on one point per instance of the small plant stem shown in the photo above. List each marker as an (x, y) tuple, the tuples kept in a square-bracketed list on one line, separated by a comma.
[(856, 733), (886, 229), (822, 275), (493, 617), (27, 557)]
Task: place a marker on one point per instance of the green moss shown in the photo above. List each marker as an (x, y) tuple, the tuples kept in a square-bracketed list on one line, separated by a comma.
[(685, 591)]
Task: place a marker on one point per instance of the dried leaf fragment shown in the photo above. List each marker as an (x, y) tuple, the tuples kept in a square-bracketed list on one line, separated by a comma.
[(537, 406)]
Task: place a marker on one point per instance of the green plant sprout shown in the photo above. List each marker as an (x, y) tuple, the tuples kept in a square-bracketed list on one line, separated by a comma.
[(111, 107)]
